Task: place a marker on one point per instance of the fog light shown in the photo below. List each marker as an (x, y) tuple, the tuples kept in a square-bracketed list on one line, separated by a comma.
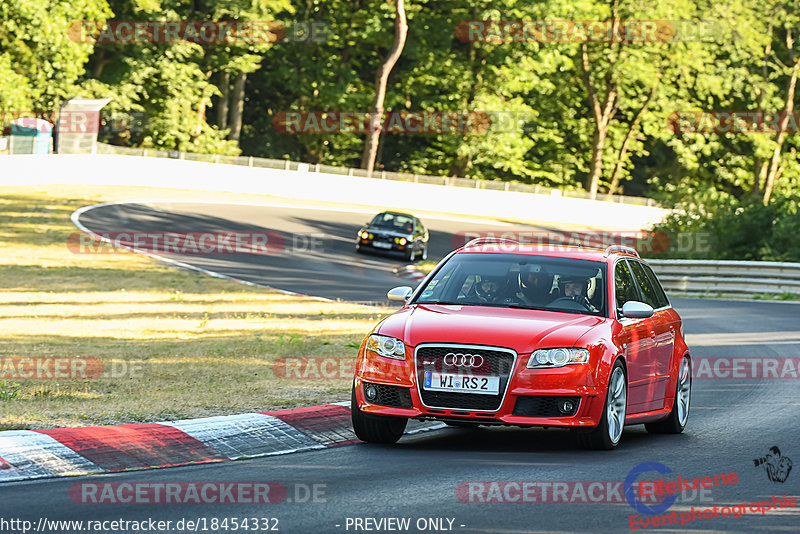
[(566, 406), (370, 393)]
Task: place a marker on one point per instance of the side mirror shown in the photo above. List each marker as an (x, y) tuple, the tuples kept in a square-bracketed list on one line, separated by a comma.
[(637, 310), (400, 294)]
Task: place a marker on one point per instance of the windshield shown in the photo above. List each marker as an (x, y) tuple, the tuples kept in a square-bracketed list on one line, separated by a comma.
[(394, 221), (519, 281)]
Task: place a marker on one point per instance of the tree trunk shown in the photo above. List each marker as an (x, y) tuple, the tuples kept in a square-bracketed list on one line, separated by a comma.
[(381, 79), (101, 61), (760, 168), (237, 107), (788, 108), (461, 164), (602, 113), (596, 167), (201, 116), (222, 106), (623, 150)]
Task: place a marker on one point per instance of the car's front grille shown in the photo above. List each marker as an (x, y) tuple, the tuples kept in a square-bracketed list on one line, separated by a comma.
[(393, 396), (496, 362), (544, 406)]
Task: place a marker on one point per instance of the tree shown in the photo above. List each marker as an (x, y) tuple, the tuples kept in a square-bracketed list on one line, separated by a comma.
[(381, 79)]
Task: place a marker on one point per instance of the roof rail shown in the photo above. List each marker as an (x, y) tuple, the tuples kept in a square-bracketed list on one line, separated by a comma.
[(484, 240), (621, 248)]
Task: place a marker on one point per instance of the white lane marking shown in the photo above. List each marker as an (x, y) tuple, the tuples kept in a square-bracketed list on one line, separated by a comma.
[(75, 217)]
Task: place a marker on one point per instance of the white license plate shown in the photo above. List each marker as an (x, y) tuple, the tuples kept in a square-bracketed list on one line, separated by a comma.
[(454, 383), (378, 244)]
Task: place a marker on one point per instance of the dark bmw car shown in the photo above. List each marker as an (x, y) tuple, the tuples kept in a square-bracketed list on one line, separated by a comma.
[(391, 231)]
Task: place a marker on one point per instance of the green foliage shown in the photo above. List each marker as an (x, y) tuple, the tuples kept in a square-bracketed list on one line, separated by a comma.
[(743, 62), (35, 40), (746, 230)]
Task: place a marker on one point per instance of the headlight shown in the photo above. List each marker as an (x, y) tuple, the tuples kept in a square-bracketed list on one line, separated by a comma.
[(387, 347), (364, 235), (557, 357), (402, 240)]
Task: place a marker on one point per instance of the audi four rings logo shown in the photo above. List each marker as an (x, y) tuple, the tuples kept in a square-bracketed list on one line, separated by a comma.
[(463, 360)]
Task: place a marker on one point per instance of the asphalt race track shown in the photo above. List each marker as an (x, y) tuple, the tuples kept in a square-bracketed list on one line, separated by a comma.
[(318, 255), (732, 422)]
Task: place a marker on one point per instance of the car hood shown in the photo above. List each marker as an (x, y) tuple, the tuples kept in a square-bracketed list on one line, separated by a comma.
[(520, 330)]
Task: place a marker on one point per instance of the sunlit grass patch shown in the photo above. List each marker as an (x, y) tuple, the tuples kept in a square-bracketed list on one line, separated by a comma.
[(173, 344)]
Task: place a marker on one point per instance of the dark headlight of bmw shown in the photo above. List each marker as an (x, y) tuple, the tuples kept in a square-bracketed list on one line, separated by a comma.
[(559, 357), (388, 347)]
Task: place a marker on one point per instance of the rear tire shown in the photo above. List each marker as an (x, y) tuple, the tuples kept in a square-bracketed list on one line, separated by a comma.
[(608, 433), (676, 421), (375, 428)]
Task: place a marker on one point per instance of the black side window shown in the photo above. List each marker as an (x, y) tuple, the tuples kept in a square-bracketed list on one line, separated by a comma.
[(649, 292), (660, 294), (624, 287)]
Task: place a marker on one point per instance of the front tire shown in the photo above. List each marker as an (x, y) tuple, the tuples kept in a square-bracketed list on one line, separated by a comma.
[(375, 428), (411, 254), (608, 433), (676, 421)]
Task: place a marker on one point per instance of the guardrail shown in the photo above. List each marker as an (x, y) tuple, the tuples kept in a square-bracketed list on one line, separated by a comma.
[(250, 161), (728, 278)]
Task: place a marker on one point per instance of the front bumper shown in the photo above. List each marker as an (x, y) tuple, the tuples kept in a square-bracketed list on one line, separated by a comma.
[(393, 246), (527, 388)]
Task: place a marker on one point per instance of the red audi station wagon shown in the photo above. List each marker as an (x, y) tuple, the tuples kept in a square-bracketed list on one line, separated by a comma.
[(502, 333)]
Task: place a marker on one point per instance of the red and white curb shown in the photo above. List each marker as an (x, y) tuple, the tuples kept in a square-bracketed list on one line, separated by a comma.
[(29, 454), (410, 271)]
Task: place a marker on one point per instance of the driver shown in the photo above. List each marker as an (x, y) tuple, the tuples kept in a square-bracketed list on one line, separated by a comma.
[(576, 288), (534, 285)]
